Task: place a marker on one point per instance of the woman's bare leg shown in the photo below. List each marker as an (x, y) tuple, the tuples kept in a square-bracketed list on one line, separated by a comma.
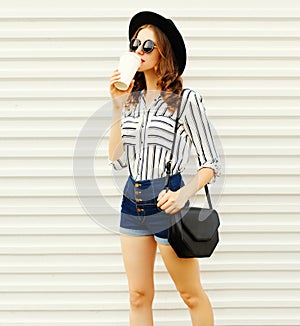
[(186, 276), (139, 256)]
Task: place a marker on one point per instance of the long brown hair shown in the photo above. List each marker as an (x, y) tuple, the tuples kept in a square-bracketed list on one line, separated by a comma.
[(168, 81)]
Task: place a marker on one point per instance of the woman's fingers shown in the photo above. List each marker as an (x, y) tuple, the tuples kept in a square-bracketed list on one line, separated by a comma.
[(115, 77), (163, 201), (119, 97), (169, 201), (160, 195)]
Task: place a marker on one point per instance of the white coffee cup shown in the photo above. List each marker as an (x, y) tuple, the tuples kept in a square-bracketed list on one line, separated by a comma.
[(128, 66)]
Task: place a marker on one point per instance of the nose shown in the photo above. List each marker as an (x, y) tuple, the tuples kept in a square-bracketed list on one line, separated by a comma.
[(140, 49)]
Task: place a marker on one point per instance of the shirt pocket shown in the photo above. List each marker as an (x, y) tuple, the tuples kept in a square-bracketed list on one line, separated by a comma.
[(129, 130), (161, 131)]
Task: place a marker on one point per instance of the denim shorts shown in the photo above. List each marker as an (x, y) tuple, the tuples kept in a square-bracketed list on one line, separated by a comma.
[(140, 215)]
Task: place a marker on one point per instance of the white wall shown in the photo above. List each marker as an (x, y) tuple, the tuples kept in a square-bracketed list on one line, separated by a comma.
[(57, 266)]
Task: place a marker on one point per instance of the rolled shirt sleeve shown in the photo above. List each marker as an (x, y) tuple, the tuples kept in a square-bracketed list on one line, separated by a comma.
[(198, 129), (118, 164)]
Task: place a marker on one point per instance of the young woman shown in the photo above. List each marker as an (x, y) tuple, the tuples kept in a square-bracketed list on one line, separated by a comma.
[(141, 136)]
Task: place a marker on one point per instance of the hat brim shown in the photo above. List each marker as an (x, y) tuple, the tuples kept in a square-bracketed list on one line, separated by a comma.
[(168, 27)]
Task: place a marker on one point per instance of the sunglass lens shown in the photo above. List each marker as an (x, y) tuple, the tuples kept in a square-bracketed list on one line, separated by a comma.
[(134, 44), (148, 46)]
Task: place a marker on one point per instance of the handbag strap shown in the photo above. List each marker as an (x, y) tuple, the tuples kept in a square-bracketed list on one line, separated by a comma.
[(169, 163)]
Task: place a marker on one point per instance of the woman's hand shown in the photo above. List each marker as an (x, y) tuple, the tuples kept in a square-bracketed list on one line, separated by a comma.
[(171, 201), (119, 97)]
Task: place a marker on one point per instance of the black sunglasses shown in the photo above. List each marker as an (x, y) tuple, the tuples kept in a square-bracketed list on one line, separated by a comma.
[(148, 45)]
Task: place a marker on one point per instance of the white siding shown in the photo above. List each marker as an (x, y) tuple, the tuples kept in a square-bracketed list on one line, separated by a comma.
[(58, 267)]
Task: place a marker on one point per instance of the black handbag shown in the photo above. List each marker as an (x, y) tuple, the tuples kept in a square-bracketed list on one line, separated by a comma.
[(194, 230)]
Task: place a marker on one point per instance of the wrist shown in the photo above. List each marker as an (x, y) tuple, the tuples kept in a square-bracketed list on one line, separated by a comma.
[(117, 108), (184, 193), (116, 114)]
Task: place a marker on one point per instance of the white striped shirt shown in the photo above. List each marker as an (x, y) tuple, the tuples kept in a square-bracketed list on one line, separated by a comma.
[(148, 133)]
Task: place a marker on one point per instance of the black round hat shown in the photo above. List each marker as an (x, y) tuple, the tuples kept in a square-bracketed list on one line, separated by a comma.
[(168, 27)]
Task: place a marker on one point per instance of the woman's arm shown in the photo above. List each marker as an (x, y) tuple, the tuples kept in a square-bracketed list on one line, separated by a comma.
[(115, 135), (202, 178), (197, 127), (118, 100), (172, 201)]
